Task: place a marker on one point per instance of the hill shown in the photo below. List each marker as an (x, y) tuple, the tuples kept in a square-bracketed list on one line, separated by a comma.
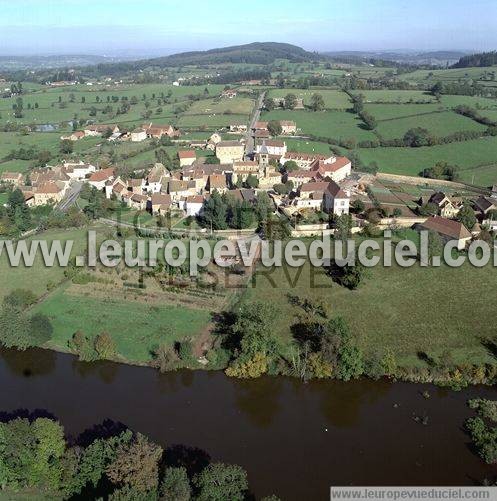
[(253, 53), (482, 59)]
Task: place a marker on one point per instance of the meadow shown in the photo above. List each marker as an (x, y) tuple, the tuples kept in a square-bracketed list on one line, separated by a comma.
[(394, 308), (412, 161), (39, 278), (439, 124), (329, 124), (333, 99), (136, 327), (395, 96)]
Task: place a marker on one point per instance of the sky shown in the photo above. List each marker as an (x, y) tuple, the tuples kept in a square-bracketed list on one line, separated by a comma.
[(155, 27)]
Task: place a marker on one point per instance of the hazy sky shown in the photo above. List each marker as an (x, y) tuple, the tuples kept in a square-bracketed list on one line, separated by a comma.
[(155, 26)]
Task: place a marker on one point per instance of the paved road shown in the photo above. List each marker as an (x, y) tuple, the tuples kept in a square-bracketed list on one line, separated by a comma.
[(249, 137), (72, 196)]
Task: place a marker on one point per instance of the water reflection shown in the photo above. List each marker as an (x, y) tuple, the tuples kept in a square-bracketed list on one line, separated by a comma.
[(29, 363), (259, 400)]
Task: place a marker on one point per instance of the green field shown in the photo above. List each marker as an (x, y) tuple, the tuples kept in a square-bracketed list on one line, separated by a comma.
[(474, 101), (213, 121), (14, 166), (411, 161), (395, 96), (439, 124), (389, 111), (449, 75), (136, 327), (333, 99), (237, 105), (305, 146), (329, 124), (480, 176), (406, 310), (38, 277)]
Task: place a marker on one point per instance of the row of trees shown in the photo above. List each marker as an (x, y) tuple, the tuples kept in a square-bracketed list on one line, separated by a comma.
[(221, 212), (109, 462)]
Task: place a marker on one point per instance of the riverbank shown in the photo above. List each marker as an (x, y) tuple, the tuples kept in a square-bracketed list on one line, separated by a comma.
[(357, 433)]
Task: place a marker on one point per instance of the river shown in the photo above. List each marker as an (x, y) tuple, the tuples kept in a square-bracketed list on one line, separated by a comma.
[(294, 439)]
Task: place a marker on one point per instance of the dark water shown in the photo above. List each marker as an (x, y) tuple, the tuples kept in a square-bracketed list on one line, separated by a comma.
[(294, 439)]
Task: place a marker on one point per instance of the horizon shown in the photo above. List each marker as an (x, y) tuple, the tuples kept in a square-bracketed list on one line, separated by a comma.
[(160, 28)]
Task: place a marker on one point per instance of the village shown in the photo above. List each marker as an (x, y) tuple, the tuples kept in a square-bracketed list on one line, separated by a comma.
[(307, 190)]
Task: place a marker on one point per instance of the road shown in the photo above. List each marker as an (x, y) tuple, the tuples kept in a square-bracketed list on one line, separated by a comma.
[(71, 197), (249, 137)]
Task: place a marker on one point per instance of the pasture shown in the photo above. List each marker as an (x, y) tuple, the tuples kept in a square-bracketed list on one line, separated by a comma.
[(412, 161), (395, 96), (329, 124), (439, 124), (333, 99), (136, 327), (394, 308)]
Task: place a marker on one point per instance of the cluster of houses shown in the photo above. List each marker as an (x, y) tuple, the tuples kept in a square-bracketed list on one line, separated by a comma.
[(189, 187), (48, 185), (145, 131), (448, 208)]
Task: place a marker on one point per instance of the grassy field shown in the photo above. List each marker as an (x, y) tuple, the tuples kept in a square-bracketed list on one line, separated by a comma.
[(449, 75), (237, 105), (38, 277), (333, 99), (14, 165), (136, 327), (329, 124), (390, 111), (305, 146), (480, 176), (213, 121), (439, 124), (411, 161), (394, 309), (395, 96)]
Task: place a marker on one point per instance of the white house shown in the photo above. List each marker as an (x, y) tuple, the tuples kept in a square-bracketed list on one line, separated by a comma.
[(337, 169), (273, 147), (193, 204), (78, 171), (336, 200), (138, 135)]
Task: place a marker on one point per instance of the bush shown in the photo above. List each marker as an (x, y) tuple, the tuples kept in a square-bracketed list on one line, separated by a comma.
[(251, 368)]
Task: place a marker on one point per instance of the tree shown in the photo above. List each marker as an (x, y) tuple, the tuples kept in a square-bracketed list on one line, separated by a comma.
[(274, 128), (343, 224), (254, 329), (19, 299), (40, 328), (418, 137), (165, 358), (358, 206), (66, 146), (175, 485), (105, 345), (291, 166), (369, 120), (220, 482), (214, 212), (290, 101), (268, 103), (262, 206), (251, 181), (437, 89), (466, 216), (317, 102), (18, 211), (136, 465)]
